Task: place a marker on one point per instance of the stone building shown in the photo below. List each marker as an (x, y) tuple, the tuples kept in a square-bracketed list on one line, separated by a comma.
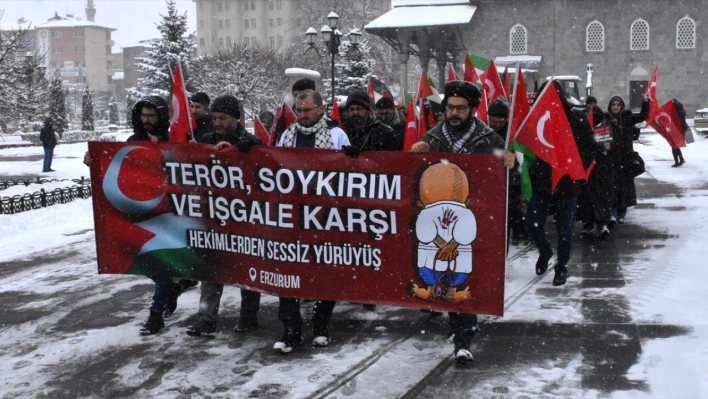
[(623, 40)]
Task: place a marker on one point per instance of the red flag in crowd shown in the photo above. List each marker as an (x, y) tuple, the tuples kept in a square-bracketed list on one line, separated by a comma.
[(372, 95), (182, 123), (492, 83), (547, 133), (335, 112), (260, 130), (470, 73), (426, 89), (482, 108), (410, 135), (284, 117), (451, 74), (667, 123), (651, 89), (507, 83), (422, 122), (519, 105)]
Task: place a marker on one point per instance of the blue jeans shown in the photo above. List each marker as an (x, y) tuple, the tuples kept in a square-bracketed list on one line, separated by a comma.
[(163, 288), (48, 154), (537, 212), (618, 213)]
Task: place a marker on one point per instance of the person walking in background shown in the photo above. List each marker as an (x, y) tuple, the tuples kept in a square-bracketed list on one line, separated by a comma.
[(389, 116), (624, 133), (595, 200), (565, 196), (688, 135), (49, 141)]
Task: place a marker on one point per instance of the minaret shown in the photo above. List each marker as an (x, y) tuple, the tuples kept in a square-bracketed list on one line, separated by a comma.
[(90, 10)]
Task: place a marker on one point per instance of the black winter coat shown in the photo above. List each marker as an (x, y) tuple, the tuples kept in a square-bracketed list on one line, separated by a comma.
[(624, 133), (240, 136), (375, 136), (205, 126), (47, 137)]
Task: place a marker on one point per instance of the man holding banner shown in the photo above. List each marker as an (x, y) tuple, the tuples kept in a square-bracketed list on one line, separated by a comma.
[(461, 132), (311, 130), (228, 131)]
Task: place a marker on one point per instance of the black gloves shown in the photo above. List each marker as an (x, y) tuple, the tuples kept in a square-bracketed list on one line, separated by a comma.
[(351, 151), (245, 146)]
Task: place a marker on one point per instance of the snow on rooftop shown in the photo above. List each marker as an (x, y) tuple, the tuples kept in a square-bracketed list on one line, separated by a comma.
[(403, 17), (407, 3), (302, 72), (71, 23)]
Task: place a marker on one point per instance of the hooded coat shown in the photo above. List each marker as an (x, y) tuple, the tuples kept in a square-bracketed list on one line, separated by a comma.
[(624, 133), (163, 130)]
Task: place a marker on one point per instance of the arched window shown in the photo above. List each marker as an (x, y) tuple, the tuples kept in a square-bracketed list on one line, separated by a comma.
[(517, 40), (686, 34), (639, 35), (595, 37)]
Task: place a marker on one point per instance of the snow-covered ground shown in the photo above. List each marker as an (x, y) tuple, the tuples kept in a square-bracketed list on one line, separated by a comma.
[(48, 277)]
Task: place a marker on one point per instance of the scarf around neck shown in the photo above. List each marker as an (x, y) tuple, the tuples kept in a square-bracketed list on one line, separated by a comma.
[(323, 139)]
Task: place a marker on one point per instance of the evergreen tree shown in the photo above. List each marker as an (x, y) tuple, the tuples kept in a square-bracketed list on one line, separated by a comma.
[(163, 53), (351, 74), (113, 111), (131, 98), (57, 106), (87, 110)]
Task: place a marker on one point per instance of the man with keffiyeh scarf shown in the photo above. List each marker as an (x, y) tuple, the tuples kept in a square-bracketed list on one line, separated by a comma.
[(311, 130), (463, 133)]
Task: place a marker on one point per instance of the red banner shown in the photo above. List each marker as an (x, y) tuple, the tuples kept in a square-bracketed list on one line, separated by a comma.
[(402, 229)]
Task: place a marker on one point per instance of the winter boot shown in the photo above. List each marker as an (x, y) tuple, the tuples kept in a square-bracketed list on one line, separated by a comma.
[(187, 284), (613, 221), (202, 328), (246, 323), (291, 339), (153, 325), (587, 229), (603, 232), (171, 304), (321, 336), (560, 278), (542, 262), (462, 352)]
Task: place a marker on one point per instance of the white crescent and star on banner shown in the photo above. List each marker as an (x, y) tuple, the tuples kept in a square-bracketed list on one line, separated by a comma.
[(113, 193), (658, 121)]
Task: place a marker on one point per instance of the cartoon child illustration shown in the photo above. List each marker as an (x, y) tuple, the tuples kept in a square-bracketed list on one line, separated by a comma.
[(445, 229)]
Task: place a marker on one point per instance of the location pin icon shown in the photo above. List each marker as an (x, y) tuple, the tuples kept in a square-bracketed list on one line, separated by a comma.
[(252, 274)]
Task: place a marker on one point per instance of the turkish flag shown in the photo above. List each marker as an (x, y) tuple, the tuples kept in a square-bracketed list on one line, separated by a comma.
[(482, 108), (492, 84), (667, 123), (260, 130), (519, 105), (470, 73), (651, 89), (182, 121), (547, 133), (451, 74), (410, 135)]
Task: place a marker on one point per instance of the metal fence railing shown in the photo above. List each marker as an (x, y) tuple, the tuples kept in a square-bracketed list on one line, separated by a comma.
[(42, 198)]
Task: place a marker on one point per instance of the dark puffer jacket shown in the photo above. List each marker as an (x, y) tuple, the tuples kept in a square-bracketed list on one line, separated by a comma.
[(163, 131), (375, 136)]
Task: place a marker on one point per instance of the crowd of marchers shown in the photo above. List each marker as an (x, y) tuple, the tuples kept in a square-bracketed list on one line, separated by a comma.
[(604, 141)]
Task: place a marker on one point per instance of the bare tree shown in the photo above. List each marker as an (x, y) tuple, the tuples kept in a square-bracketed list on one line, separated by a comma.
[(253, 74)]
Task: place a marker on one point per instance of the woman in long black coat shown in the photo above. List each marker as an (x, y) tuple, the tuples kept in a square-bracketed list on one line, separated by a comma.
[(624, 133)]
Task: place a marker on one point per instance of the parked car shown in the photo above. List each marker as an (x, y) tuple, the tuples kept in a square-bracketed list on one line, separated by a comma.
[(700, 122)]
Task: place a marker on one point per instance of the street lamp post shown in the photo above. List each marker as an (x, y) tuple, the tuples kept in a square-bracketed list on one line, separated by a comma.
[(332, 37)]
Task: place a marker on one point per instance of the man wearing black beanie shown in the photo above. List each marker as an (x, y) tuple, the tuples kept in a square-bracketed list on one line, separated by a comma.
[(365, 131), (389, 116), (463, 133), (226, 114)]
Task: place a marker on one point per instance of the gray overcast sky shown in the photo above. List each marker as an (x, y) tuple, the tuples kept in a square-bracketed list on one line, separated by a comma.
[(134, 19)]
